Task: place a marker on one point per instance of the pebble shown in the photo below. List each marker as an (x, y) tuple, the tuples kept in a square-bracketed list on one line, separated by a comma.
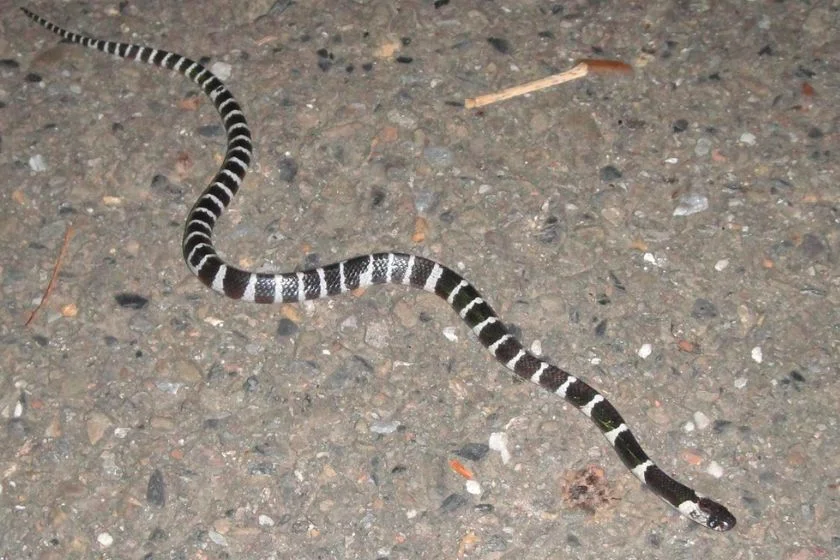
[(715, 469), (105, 539), (156, 489), (168, 387), (747, 138), (286, 327), (222, 70), (721, 265), (703, 309), (37, 163), (499, 442), (757, 355), (217, 538), (473, 487), (453, 502), (703, 147), (740, 382), (109, 465), (287, 169), (438, 156), (645, 350), (265, 521), (451, 334), (121, 433), (96, 426), (701, 420), (383, 427), (350, 323), (609, 173), (473, 451), (691, 204)]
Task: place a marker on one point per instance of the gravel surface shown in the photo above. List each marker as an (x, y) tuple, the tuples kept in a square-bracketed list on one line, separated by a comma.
[(670, 236)]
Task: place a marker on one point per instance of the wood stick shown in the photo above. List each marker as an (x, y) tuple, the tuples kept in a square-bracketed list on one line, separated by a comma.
[(67, 235), (581, 69)]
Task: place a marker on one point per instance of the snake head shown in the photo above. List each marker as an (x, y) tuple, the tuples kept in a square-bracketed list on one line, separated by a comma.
[(715, 516)]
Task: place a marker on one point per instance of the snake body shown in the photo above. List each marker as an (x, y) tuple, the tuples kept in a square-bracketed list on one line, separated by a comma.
[(382, 268)]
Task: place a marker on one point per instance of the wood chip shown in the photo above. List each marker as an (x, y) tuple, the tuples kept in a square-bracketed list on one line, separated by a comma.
[(688, 346), (459, 468), (69, 310), (421, 227)]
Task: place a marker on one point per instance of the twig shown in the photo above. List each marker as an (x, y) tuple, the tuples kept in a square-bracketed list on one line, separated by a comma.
[(67, 235), (581, 69)]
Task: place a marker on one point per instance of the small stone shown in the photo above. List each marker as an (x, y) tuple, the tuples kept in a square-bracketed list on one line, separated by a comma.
[(350, 323), (222, 70), (37, 163), (740, 382), (383, 427), (96, 426), (287, 168), (747, 138), (721, 265), (473, 451), (703, 147), (451, 334), (704, 309), (131, 301), (453, 502), (105, 539), (265, 521), (156, 489), (500, 44), (691, 204), (217, 538), (715, 469), (286, 327), (701, 420), (438, 156), (499, 442), (692, 457), (251, 384), (645, 350), (69, 310), (756, 355), (473, 487), (609, 173), (169, 387), (54, 428), (121, 433), (679, 125)]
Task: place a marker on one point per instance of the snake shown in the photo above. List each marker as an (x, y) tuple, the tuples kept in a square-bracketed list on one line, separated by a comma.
[(381, 268)]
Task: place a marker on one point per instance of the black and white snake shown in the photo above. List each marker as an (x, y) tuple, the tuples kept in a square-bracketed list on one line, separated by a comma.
[(382, 268)]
